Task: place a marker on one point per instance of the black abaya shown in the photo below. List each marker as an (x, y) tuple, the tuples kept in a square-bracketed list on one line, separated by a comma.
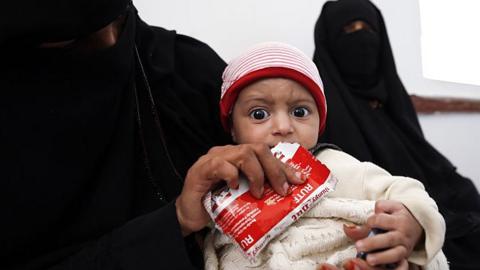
[(371, 117), (75, 188)]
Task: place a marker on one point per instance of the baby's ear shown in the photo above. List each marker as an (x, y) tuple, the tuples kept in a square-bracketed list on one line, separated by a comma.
[(232, 133)]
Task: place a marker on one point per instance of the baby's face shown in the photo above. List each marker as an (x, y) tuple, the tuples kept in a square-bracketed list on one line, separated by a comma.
[(275, 110)]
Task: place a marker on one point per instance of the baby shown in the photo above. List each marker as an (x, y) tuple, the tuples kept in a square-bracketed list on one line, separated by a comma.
[(273, 93)]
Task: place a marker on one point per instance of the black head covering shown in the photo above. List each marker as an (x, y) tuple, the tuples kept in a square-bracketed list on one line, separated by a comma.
[(372, 118), (67, 129), (80, 180), (356, 54), (55, 20)]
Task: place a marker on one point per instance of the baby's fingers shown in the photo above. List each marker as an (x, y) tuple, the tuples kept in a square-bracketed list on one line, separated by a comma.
[(380, 241), (356, 232), (388, 256)]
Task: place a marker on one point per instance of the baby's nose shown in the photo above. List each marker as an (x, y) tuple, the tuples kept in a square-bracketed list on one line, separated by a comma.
[(282, 125)]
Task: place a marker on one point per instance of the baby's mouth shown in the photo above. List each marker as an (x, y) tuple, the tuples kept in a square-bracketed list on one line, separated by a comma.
[(283, 141)]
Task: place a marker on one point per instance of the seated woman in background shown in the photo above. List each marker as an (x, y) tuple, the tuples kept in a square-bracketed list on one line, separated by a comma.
[(372, 118)]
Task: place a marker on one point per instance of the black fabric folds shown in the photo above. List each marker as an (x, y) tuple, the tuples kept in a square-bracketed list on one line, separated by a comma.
[(374, 120), (55, 20), (74, 189)]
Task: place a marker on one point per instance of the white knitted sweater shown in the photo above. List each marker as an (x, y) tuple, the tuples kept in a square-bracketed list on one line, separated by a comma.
[(318, 236)]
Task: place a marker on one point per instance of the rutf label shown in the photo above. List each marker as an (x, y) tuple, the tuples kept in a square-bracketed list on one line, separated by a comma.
[(252, 222)]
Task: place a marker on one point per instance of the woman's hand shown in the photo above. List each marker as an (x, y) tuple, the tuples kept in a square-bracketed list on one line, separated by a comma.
[(359, 264), (224, 163)]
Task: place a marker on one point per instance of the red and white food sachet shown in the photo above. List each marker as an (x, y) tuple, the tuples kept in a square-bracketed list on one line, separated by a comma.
[(252, 223)]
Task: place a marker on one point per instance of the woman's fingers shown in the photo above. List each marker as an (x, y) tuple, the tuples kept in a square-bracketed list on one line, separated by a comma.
[(250, 165), (201, 177), (327, 266), (219, 170), (225, 163), (359, 264), (258, 164), (279, 175)]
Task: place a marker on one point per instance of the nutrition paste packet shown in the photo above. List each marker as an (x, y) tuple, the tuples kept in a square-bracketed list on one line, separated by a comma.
[(251, 223)]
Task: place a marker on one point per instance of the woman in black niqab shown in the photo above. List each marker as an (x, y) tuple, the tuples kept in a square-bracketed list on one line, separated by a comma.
[(95, 143), (370, 116)]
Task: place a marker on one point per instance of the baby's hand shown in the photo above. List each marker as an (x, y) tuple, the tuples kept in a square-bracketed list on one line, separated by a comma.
[(403, 233)]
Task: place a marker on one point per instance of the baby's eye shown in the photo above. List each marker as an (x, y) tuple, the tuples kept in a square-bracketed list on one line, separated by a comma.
[(300, 112), (259, 114)]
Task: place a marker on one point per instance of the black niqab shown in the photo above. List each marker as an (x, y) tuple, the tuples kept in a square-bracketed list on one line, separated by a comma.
[(374, 120), (356, 54)]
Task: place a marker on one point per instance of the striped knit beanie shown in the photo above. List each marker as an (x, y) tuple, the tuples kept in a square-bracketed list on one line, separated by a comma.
[(270, 60)]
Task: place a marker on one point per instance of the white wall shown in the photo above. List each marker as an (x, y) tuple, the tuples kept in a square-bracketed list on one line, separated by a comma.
[(232, 26), (457, 137)]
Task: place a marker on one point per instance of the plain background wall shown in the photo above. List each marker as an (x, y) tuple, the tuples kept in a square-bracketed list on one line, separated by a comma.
[(229, 27), (456, 136)]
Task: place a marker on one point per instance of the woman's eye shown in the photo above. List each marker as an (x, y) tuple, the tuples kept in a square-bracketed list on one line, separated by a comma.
[(300, 112), (259, 114)]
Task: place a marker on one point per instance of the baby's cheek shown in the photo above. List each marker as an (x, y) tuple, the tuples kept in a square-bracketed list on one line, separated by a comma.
[(310, 139), (308, 145), (257, 136), (250, 135)]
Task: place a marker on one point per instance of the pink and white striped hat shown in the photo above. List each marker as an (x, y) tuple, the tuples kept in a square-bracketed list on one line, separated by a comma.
[(267, 60)]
